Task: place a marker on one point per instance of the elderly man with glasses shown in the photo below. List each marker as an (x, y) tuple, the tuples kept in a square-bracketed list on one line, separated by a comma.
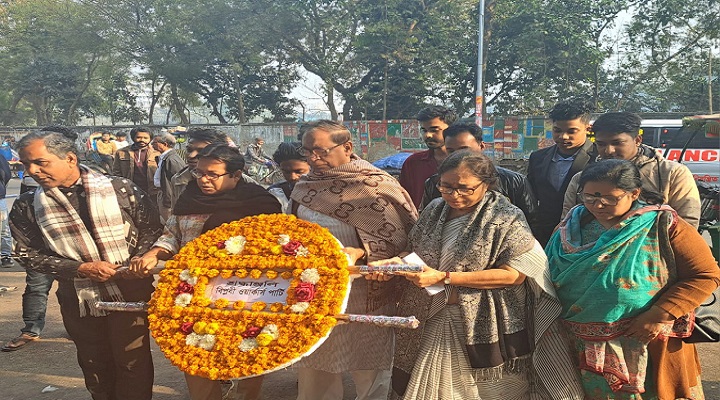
[(371, 215)]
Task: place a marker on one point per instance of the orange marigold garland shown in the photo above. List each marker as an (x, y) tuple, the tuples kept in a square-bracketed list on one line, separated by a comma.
[(225, 339)]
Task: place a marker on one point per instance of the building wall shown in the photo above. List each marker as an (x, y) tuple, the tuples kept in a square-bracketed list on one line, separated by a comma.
[(508, 137)]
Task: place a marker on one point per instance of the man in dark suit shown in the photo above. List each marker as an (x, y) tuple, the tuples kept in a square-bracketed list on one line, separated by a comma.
[(169, 164), (551, 169)]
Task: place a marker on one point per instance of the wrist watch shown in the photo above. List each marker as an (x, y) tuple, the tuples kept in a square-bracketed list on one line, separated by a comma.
[(447, 278)]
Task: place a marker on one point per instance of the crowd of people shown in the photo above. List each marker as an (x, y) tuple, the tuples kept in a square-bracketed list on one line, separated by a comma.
[(576, 281)]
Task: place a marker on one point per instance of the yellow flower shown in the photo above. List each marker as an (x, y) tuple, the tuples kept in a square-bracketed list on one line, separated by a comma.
[(221, 303), (199, 327), (285, 335), (212, 328), (258, 306), (264, 339)]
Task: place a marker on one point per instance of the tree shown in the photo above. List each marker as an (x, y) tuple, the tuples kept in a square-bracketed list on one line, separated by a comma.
[(662, 36), (51, 50)]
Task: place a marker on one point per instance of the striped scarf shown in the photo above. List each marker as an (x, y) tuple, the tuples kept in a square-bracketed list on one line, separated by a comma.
[(369, 199), (65, 234)]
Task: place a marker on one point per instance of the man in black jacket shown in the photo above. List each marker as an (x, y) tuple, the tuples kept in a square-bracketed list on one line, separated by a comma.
[(80, 227), (512, 184), (550, 169)]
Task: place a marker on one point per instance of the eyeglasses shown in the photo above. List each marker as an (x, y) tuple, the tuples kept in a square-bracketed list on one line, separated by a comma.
[(210, 176), (604, 200), (460, 191), (318, 152)]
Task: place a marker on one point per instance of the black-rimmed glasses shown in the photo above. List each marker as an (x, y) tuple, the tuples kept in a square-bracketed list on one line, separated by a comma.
[(317, 151)]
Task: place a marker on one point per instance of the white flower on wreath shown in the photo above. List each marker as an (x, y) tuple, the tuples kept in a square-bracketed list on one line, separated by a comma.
[(207, 342), (185, 276), (192, 339), (283, 239), (302, 251), (271, 330), (310, 275), (300, 307), (248, 344), (235, 244), (183, 299)]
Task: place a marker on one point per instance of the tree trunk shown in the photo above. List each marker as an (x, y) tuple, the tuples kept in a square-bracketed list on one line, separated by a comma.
[(331, 102), (216, 112), (385, 90), (178, 106), (9, 118), (240, 101), (89, 72), (155, 97)]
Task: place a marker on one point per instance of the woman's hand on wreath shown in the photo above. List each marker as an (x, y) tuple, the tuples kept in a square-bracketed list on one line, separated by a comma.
[(381, 276), (648, 325), (427, 277)]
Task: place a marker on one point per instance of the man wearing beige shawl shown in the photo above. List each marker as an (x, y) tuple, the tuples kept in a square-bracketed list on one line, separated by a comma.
[(371, 215)]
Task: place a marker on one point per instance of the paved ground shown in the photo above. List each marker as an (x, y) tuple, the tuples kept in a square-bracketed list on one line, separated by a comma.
[(50, 363)]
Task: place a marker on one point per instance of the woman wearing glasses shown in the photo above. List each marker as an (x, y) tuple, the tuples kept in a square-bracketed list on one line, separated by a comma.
[(488, 330), (218, 187), (627, 273)]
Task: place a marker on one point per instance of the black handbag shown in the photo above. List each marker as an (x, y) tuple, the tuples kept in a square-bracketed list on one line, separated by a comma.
[(707, 321)]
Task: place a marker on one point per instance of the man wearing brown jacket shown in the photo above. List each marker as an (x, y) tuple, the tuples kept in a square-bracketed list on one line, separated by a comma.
[(617, 135), (138, 162)]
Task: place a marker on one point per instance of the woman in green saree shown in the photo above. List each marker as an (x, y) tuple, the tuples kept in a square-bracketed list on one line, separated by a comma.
[(628, 275)]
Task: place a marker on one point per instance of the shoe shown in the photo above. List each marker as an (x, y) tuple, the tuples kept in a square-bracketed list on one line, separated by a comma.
[(19, 342), (6, 262), (7, 288)]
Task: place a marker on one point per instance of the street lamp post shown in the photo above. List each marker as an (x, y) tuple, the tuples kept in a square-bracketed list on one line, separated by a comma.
[(479, 92)]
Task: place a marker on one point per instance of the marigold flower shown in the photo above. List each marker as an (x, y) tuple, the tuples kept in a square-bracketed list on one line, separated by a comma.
[(264, 339), (219, 348)]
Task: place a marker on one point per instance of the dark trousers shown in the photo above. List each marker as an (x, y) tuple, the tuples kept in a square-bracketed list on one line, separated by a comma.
[(34, 301), (113, 351)]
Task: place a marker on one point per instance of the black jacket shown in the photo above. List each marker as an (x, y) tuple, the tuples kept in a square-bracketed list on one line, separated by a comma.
[(511, 184), (550, 201)]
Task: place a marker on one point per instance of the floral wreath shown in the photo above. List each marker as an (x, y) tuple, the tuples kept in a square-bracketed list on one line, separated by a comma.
[(224, 339)]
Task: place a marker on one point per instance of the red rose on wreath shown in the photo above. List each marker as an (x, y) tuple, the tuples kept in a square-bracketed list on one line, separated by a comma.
[(305, 291), (184, 287), (251, 332), (291, 247), (186, 327), (220, 245)]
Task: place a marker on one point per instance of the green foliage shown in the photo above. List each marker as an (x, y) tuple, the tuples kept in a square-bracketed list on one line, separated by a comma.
[(239, 59)]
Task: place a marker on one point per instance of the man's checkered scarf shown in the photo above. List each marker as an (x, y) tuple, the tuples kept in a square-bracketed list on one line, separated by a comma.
[(65, 233)]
